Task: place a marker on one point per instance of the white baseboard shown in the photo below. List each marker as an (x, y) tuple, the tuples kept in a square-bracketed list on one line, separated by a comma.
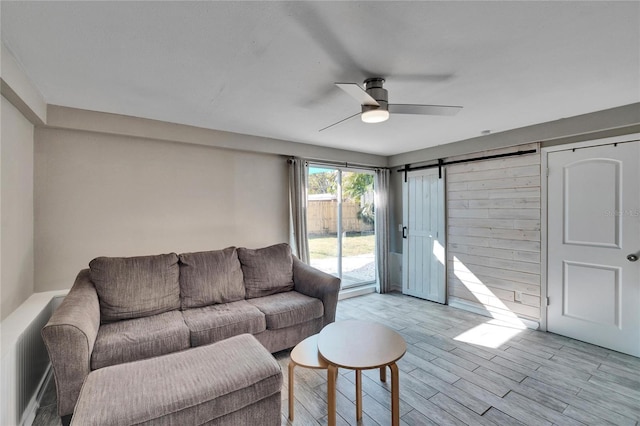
[(491, 312)]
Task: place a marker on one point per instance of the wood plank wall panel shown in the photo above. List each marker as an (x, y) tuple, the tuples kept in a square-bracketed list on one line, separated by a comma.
[(493, 227)]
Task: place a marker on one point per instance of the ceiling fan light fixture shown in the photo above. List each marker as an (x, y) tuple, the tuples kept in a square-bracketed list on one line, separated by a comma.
[(374, 101), (377, 115)]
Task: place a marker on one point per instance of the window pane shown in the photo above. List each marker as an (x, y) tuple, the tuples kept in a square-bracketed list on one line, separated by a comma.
[(358, 239), (322, 219)]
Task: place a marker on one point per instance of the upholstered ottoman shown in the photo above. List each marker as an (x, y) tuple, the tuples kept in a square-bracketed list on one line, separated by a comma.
[(232, 382)]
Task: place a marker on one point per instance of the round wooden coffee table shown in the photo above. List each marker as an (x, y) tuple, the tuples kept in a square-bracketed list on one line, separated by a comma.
[(361, 345), (305, 354)]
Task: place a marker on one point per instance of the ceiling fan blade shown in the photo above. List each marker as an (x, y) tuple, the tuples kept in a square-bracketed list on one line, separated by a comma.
[(358, 93), (424, 109), (341, 121)]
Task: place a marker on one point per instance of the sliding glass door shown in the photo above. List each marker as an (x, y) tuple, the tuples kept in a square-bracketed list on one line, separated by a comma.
[(340, 223)]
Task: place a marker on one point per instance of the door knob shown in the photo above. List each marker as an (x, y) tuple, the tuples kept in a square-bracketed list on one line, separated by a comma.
[(632, 257)]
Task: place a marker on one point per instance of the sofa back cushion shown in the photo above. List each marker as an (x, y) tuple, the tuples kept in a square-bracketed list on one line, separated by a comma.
[(267, 270), (135, 287), (210, 277)]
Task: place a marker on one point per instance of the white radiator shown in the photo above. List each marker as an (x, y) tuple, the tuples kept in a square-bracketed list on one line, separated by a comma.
[(25, 361)]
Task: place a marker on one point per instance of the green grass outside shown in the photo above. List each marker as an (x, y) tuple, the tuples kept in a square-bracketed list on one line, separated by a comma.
[(324, 247)]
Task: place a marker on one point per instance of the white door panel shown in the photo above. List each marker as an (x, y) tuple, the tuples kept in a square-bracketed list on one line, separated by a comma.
[(423, 246), (585, 225), (593, 224), (586, 286)]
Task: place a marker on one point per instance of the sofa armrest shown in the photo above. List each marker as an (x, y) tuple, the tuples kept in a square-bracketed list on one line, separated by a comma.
[(315, 283), (69, 337)]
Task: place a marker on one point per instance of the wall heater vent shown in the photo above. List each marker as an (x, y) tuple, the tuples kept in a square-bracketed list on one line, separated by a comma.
[(24, 363), (32, 361)]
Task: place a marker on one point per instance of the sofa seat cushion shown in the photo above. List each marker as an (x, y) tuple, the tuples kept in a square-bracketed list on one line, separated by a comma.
[(134, 287), (210, 277), (140, 338), (267, 270), (191, 387), (286, 309), (217, 322)]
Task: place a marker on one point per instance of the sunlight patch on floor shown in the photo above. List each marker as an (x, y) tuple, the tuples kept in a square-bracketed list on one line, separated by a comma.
[(491, 334)]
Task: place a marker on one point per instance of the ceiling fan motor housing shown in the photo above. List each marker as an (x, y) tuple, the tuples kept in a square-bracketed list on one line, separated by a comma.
[(373, 86), (375, 106)]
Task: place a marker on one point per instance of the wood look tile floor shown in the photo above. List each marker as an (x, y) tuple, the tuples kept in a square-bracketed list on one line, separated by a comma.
[(507, 377)]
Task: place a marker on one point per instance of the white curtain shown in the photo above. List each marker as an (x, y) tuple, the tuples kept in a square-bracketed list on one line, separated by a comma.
[(382, 229), (298, 208)]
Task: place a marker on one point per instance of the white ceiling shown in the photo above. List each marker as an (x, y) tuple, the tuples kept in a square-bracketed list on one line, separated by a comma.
[(268, 68)]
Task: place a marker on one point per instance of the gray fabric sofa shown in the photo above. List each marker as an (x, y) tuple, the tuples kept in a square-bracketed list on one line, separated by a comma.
[(127, 309)]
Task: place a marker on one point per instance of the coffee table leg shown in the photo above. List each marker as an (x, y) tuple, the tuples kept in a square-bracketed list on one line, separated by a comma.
[(291, 367), (383, 374), (358, 395), (331, 395), (395, 395)]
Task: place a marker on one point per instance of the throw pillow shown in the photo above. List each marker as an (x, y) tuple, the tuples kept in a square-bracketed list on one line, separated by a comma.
[(267, 270)]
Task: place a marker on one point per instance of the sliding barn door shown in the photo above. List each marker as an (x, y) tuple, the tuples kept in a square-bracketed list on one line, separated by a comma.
[(594, 245), (423, 253)]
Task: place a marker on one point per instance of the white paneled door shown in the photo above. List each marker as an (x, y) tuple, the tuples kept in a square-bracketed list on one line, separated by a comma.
[(593, 245), (423, 254)]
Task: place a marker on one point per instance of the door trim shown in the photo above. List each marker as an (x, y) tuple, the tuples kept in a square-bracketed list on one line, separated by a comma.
[(544, 164)]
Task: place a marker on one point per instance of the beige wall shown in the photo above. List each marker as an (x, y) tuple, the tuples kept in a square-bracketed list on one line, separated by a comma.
[(115, 124), (110, 195), (16, 252)]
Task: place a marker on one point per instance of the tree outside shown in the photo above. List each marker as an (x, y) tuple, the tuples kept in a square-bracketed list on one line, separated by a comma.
[(356, 187), (359, 187), (322, 181)]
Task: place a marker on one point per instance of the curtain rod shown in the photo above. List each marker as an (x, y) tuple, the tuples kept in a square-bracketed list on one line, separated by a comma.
[(407, 168), (345, 164)]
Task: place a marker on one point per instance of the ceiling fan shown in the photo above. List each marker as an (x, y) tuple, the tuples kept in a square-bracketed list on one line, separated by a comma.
[(376, 108)]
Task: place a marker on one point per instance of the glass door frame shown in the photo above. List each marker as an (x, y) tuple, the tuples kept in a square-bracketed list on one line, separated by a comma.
[(339, 225)]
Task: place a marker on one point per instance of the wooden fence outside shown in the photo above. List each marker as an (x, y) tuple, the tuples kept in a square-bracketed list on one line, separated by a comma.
[(322, 218)]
